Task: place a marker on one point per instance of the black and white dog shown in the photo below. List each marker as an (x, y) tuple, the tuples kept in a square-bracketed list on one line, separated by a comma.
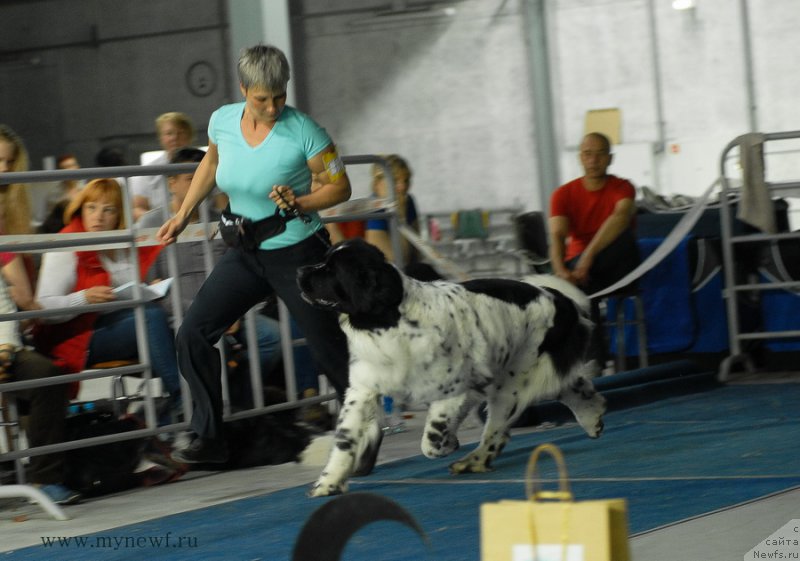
[(451, 345)]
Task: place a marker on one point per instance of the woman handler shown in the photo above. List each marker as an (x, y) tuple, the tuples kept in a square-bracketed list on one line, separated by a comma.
[(262, 154)]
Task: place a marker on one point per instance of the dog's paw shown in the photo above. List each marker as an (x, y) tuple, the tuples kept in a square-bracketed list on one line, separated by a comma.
[(598, 429), (590, 415), (326, 489), (469, 465), (438, 447), (595, 429)]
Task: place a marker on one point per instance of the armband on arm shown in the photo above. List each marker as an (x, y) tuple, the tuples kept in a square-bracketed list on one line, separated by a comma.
[(333, 165)]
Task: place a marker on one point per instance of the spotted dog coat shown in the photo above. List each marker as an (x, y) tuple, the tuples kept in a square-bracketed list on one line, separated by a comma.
[(506, 342)]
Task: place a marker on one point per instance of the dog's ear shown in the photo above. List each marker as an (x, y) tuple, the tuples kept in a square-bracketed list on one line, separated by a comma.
[(378, 290)]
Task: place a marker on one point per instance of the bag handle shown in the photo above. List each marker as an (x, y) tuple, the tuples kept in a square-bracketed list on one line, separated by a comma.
[(532, 489)]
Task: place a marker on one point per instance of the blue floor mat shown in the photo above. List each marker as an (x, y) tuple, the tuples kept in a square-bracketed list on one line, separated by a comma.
[(673, 459)]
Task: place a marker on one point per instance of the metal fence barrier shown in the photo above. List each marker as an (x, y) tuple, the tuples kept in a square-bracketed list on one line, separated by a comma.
[(131, 238)]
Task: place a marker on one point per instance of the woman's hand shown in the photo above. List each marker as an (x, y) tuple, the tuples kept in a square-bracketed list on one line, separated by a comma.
[(170, 230), (283, 196), (99, 294), (8, 353)]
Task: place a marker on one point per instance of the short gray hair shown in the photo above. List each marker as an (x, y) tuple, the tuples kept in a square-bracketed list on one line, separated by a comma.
[(263, 66)]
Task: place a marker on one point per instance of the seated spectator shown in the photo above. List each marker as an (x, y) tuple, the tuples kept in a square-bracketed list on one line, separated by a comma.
[(377, 230), (45, 407), (15, 219), (175, 131), (55, 219), (592, 243), (15, 207), (591, 229), (192, 269), (68, 279)]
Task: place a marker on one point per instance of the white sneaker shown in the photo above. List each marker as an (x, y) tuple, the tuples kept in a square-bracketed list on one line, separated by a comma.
[(182, 440)]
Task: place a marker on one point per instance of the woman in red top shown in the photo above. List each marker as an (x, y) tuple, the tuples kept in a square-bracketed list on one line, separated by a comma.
[(69, 279)]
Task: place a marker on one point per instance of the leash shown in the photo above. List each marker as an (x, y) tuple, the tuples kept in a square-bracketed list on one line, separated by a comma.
[(294, 212), (668, 244)]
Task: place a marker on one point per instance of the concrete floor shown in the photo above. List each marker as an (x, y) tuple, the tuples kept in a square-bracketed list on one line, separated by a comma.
[(721, 536)]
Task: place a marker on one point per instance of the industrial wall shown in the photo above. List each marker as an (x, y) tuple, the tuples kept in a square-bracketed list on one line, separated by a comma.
[(77, 75), (451, 89), (447, 87)]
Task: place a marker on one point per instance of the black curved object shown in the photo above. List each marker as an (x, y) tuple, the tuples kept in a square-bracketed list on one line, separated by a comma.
[(328, 529)]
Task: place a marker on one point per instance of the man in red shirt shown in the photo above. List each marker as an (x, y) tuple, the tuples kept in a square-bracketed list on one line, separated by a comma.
[(591, 223)]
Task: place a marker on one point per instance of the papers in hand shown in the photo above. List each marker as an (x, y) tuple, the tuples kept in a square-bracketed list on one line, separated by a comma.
[(149, 291)]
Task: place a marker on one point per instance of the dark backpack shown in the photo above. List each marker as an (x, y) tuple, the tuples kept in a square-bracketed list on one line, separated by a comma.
[(105, 468)]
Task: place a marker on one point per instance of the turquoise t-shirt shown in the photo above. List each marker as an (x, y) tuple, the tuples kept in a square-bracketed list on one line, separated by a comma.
[(246, 173)]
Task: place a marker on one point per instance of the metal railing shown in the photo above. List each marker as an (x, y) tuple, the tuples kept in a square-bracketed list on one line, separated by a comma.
[(729, 241), (130, 238)]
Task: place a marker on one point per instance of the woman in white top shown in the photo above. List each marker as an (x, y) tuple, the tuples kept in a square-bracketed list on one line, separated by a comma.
[(68, 279)]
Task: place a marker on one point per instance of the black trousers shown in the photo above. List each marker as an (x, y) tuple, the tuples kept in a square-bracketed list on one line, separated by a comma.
[(240, 280), (610, 265), (46, 408)]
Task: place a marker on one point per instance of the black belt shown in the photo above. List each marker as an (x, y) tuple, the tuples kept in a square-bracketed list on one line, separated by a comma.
[(238, 231)]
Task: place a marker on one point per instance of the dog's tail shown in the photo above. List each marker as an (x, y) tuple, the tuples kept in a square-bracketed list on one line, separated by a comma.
[(564, 287), (567, 341)]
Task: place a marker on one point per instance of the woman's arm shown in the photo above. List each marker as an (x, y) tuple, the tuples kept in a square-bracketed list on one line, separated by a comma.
[(19, 284), (9, 330), (10, 340), (381, 240), (57, 277), (205, 177), (331, 185)]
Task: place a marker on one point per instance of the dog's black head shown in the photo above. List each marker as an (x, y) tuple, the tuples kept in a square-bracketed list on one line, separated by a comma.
[(355, 279)]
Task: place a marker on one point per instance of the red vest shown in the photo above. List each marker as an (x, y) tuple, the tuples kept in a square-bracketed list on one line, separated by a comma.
[(68, 343)]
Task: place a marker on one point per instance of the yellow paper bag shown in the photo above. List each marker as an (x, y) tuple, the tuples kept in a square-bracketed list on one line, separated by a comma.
[(551, 525)]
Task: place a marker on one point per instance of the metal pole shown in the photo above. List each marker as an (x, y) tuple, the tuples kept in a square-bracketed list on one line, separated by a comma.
[(656, 66), (287, 348), (747, 55), (538, 53)]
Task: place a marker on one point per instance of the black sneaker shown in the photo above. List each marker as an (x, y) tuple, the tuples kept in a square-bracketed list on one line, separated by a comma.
[(202, 450), (61, 494)]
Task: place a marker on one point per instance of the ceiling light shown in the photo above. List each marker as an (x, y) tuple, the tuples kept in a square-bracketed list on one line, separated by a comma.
[(683, 4)]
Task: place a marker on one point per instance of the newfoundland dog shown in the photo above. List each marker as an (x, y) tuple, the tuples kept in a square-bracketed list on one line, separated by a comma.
[(450, 345)]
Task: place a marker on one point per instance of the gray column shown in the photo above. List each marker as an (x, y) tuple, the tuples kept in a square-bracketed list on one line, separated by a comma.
[(259, 21), (747, 59), (543, 110)]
